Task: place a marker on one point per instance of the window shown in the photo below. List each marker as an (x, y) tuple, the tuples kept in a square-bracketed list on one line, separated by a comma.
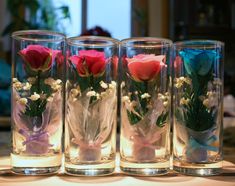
[(72, 27), (112, 15)]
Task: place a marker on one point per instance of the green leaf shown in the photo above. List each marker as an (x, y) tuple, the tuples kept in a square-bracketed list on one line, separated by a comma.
[(65, 11), (9, 28), (33, 6), (133, 118), (162, 119)]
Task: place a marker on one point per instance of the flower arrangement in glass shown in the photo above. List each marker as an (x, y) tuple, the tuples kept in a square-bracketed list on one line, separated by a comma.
[(37, 101), (91, 88), (145, 106), (198, 92)]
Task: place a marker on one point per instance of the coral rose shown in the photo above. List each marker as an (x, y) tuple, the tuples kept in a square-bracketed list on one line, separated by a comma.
[(145, 67)]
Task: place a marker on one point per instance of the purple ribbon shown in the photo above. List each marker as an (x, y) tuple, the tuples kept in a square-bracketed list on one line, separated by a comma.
[(36, 143)]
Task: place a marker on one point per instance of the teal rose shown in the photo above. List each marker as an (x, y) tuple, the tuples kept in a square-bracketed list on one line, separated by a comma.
[(198, 61)]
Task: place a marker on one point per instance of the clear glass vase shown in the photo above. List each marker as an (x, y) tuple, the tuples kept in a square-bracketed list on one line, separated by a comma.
[(37, 101), (145, 106), (198, 106), (91, 102)]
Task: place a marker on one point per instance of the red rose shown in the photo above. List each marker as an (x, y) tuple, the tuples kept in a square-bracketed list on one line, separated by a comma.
[(77, 61), (89, 62), (124, 61), (145, 67), (37, 57)]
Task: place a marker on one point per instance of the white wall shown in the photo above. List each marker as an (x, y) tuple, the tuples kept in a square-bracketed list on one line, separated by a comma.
[(5, 42)]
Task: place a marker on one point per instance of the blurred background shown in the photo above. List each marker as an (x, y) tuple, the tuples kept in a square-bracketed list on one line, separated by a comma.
[(174, 19)]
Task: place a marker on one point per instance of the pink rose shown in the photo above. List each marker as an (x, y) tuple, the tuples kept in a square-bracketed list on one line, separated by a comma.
[(37, 57), (58, 57), (114, 61), (78, 63), (89, 62), (145, 67), (178, 62)]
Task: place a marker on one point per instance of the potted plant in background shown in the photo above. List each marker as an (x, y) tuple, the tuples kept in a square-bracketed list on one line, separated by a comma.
[(27, 15), (35, 14)]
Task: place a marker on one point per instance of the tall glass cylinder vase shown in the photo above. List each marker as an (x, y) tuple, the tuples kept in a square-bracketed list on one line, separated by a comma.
[(91, 102), (37, 101), (198, 107), (145, 106)]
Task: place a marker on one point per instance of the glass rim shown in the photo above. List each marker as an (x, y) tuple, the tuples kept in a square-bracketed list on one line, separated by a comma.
[(20, 35), (198, 43), (110, 41), (159, 42)]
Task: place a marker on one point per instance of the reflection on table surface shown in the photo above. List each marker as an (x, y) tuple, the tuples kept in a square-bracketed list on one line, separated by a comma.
[(117, 179)]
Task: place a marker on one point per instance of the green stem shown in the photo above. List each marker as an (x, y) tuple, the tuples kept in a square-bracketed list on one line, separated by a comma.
[(145, 101), (39, 89), (38, 82), (145, 87), (92, 82)]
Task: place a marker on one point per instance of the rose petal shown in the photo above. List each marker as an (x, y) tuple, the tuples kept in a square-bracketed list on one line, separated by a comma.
[(144, 67), (91, 53), (146, 58), (144, 71), (58, 56), (75, 59), (94, 62), (198, 61), (37, 57), (98, 68)]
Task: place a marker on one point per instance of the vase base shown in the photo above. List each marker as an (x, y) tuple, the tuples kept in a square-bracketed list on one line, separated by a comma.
[(193, 169), (35, 165), (88, 172), (92, 169), (145, 169), (35, 170)]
